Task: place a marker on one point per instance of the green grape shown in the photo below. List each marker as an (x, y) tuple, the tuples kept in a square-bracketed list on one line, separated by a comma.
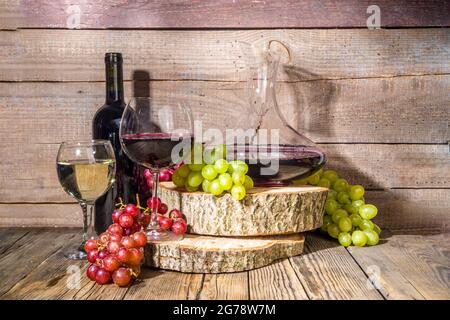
[(248, 183), (205, 185), (343, 198), (178, 180), (345, 224), (215, 188), (345, 239), (340, 185), (366, 225), (333, 230), (324, 183), (358, 203), (368, 211), (331, 206), (208, 172), (301, 182), (238, 178), (190, 188), (326, 222), (330, 175), (225, 181), (338, 214), (372, 237), (356, 192), (332, 194), (359, 238), (376, 229), (183, 171), (194, 179), (195, 167), (238, 192), (221, 165), (238, 166), (351, 209), (356, 219), (314, 179)]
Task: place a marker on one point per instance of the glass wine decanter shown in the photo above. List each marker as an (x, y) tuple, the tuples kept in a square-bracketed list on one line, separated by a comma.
[(275, 152)]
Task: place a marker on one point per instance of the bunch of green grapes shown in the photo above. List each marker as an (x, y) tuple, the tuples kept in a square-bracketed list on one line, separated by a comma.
[(347, 217), (210, 171)]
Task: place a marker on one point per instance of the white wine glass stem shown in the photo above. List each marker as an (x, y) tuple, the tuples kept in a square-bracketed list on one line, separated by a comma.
[(88, 221)]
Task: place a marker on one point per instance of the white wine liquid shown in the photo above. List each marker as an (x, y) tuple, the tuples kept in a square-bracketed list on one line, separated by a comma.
[(86, 181)]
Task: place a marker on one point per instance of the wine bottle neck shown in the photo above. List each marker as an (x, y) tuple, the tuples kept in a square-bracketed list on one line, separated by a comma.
[(114, 82)]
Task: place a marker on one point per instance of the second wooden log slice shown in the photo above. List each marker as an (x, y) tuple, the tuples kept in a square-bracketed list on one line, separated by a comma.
[(264, 211), (205, 254)]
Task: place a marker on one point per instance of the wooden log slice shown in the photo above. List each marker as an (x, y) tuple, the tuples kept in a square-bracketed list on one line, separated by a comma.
[(205, 254), (264, 211)]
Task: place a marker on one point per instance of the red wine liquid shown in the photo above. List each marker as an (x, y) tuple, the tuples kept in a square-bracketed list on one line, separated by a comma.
[(278, 165), (153, 149)]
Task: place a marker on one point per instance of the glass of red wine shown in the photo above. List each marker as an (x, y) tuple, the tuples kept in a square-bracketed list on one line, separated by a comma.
[(156, 134)]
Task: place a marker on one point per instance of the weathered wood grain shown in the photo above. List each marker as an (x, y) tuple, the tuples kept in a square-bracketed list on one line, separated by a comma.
[(277, 281), (28, 253), (203, 254), (235, 14), (77, 55), (408, 266), (263, 211), (227, 286), (165, 285), (9, 236), (397, 110), (327, 271), (40, 215)]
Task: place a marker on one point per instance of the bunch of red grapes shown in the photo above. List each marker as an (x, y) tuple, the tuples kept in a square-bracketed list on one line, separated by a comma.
[(118, 253), (164, 175)]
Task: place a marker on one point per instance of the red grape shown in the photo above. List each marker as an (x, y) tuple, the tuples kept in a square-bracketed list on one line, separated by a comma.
[(122, 277), (175, 214), (102, 254), (115, 237), (147, 174), (111, 264), (114, 246), (115, 228), (123, 255), (164, 175), (92, 256), (135, 227), (127, 231), (115, 215), (132, 210), (163, 208), (154, 201), (179, 226), (128, 242), (91, 271), (140, 239), (165, 223), (102, 276), (90, 245), (136, 256), (146, 221), (126, 221)]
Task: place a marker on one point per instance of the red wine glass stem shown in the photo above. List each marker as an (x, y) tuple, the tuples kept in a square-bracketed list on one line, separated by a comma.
[(155, 180)]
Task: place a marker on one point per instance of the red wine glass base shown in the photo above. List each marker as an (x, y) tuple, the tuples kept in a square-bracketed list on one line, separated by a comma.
[(76, 253), (162, 235)]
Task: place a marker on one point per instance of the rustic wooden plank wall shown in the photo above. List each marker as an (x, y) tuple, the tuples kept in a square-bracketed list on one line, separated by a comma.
[(377, 101)]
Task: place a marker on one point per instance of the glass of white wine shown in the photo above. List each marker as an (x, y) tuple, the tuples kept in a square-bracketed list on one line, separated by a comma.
[(86, 170)]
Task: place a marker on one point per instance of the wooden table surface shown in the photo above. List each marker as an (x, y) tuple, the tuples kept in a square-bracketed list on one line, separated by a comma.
[(403, 266)]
